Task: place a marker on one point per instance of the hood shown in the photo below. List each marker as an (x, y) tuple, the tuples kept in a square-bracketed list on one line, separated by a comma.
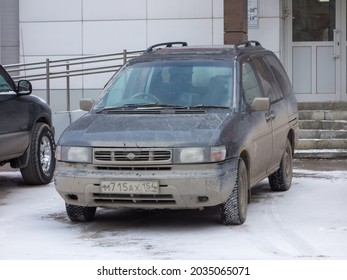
[(145, 130)]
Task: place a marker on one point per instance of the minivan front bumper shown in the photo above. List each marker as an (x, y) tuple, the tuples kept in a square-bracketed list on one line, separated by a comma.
[(180, 186)]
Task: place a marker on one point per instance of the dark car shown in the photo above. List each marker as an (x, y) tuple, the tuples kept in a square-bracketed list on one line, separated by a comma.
[(26, 131), (182, 127)]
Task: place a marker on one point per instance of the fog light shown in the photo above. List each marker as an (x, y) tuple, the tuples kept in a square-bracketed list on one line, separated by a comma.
[(72, 196), (202, 198)]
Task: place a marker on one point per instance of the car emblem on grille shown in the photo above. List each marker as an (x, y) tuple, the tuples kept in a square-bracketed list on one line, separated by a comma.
[(131, 156)]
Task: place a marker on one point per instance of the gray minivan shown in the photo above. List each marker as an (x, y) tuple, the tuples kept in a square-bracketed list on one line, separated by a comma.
[(182, 127)]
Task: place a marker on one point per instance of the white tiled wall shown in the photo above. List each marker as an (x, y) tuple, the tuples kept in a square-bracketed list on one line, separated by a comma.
[(82, 27), (105, 10), (63, 28), (268, 30)]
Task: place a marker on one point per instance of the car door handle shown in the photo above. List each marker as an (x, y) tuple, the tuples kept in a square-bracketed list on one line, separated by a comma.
[(270, 116)]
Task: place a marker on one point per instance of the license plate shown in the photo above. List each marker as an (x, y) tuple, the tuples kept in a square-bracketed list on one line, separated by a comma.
[(130, 187)]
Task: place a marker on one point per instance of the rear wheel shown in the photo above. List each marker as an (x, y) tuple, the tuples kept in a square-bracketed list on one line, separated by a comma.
[(80, 213), (281, 180), (234, 210)]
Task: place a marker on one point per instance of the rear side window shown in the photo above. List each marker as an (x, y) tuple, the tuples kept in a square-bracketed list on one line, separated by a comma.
[(279, 73), (267, 80)]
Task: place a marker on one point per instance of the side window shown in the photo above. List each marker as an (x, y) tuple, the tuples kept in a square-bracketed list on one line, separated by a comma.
[(5, 82), (267, 80), (250, 84), (279, 73)]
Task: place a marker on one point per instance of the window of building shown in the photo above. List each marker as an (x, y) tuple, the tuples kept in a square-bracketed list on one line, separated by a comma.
[(313, 20)]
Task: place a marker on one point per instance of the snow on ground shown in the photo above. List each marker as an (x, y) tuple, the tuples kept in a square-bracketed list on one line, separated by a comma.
[(307, 222)]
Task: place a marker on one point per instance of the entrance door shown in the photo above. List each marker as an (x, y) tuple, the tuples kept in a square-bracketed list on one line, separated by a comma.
[(317, 49)]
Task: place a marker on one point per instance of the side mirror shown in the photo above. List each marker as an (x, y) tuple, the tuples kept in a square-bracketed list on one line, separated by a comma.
[(24, 87), (86, 104), (260, 104)]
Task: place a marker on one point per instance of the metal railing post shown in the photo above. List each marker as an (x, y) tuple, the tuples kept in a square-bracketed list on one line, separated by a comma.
[(124, 56), (48, 87), (68, 86)]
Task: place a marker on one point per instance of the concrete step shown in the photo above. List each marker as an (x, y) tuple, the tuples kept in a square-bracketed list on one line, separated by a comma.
[(323, 130), (321, 154), (323, 115), (323, 124), (322, 134), (334, 105), (322, 144)]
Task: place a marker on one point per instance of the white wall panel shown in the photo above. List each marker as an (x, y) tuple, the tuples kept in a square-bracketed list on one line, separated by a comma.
[(269, 8), (51, 38), (192, 31), (50, 10), (218, 8), (113, 36), (114, 9), (267, 34), (218, 32), (159, 9)]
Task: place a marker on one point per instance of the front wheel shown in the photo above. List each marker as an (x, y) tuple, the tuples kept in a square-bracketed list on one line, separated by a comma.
[(234, 210), (281, 180), (80, 213), (41, 162)]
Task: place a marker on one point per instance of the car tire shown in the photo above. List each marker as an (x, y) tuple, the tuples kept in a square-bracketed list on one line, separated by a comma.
[(234, 210), (80, 213), (41, 163), (281, 180)]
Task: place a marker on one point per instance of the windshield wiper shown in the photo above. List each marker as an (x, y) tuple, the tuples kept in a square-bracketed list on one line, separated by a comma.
[(201, 106), (140, 106)]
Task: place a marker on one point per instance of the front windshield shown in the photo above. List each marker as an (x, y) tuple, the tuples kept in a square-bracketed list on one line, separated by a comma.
[(185, 83)]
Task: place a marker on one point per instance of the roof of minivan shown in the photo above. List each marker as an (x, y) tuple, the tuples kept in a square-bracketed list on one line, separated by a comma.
[(170, 50)]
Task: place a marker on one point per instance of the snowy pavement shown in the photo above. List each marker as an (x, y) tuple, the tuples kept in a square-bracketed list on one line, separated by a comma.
[(307, 222)]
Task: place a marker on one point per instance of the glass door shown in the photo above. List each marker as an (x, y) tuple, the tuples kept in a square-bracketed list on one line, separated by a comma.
[(316, 49)]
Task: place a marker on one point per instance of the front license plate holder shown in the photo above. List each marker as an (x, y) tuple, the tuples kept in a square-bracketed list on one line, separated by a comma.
[(130, 187)]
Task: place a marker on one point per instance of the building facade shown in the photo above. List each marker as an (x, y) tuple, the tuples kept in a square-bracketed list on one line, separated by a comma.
[(309, 36)]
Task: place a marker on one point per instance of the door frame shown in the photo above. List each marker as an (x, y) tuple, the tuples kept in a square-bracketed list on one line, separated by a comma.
[(340, 67)]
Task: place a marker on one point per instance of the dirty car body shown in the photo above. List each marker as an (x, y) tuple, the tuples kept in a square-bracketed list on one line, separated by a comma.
[(181, 127), (26, 131)]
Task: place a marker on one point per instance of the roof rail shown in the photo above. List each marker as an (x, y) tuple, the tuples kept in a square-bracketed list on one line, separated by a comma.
[(167, 45), (248, 44)]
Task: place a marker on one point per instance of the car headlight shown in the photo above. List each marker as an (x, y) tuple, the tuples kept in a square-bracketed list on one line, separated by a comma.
[(74, 154), (202, 154), (190, 155)]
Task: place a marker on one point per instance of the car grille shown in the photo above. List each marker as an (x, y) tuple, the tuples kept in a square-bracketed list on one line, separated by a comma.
[(138, 199), (118, 156)]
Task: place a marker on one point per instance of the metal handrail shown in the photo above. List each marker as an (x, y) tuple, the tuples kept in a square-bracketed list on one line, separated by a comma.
[(46, 69)]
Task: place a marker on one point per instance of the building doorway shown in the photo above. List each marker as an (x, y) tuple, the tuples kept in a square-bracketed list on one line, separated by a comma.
[(316, 49)]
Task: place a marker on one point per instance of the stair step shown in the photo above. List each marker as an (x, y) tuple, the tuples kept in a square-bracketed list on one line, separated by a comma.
[(321, 154), (322, 134), (334, 105), (323, 124), (323, 115), (322, 144)]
